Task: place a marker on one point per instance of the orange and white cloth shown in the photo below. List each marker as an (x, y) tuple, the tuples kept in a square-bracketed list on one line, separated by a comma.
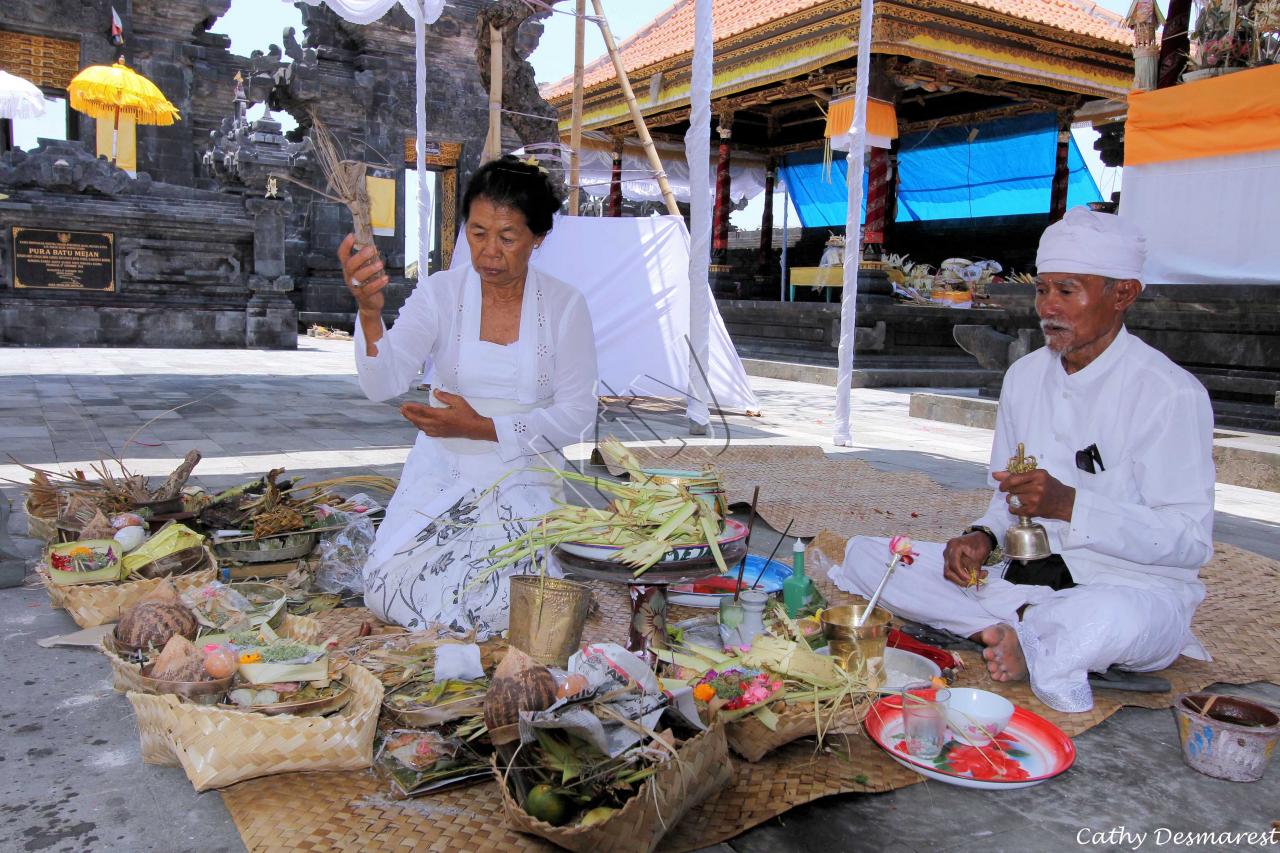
[(1233, 114), (1202, 179)]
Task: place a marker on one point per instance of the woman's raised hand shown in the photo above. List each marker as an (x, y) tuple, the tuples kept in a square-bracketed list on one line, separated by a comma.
[(363, 274)]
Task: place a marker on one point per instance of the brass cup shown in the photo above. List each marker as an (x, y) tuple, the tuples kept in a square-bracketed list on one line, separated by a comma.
[(547, 617), (852, 648)]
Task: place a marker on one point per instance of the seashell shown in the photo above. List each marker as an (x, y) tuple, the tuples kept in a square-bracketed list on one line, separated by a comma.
[(519, 683), (151, 623), (180, 660)]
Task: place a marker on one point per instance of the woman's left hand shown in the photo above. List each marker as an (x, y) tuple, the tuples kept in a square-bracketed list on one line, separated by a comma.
[(455, 420)]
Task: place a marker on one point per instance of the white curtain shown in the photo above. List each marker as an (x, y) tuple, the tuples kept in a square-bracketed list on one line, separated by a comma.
[(1209, 220), (853, 230), (634, 273), (746, 171), (697, 145), (424, 13)]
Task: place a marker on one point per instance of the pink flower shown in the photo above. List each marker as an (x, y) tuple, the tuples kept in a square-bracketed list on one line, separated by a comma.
[(900, 547)]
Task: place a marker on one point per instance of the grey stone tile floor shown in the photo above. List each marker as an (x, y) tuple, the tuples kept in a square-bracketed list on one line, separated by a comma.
[(71, 778)]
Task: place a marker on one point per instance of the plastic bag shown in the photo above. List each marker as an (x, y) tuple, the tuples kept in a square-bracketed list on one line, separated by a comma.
[(458, 662), (344, 552)]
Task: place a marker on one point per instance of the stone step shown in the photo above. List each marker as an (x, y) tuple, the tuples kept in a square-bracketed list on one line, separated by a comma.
[(803, 353), (1242, 459), (869, 377)]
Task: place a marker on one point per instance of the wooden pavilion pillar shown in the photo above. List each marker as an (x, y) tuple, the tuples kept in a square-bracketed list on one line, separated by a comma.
[(1174, 44), (764, 259), (615, 179), (719, 268), (1058, 192), (877, 202), (891, 196)]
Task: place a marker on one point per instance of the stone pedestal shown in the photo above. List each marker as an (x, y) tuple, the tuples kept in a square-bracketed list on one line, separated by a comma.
[(271, 319)]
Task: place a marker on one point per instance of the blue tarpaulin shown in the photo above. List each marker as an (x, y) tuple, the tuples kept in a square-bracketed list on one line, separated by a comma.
[(1005, 169)]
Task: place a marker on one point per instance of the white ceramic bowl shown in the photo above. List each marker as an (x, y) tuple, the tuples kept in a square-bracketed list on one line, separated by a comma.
[(977, 716)]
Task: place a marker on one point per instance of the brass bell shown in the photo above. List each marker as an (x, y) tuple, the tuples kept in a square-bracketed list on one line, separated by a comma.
[(1026, 540)]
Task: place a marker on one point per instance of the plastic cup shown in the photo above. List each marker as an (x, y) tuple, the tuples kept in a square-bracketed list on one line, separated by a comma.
[(924, 720)]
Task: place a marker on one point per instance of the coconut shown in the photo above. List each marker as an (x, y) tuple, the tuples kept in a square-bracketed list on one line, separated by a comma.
[(180, 660), (519, 683), (155, 619)]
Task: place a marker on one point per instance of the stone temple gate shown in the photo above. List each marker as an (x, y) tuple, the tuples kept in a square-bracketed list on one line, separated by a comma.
[(199, 250)]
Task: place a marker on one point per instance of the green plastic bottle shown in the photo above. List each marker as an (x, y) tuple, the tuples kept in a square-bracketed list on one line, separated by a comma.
[(797, 589)]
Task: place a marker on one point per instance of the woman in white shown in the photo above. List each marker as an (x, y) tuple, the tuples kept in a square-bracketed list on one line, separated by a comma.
[(515, 374)]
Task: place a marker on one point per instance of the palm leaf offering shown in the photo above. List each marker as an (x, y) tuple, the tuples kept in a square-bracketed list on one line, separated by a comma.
[(808, 680), (645, 518)]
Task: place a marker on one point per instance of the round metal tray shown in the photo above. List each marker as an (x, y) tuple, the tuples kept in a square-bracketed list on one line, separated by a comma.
[(676, 572), (249, 552)]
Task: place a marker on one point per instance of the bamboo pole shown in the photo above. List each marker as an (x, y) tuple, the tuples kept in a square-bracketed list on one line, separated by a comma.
[(641, 130), (575, 134), (493, 142)]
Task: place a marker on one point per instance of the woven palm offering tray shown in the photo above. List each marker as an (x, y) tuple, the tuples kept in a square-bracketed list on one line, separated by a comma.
[(304, 700), (349, 811)]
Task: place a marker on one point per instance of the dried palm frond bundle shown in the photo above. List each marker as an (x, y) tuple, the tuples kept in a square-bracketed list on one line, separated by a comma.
[(42, 496), (280, 519), (344, 179)]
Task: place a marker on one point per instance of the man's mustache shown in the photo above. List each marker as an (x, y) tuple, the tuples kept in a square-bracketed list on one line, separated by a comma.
[(1048, 326)]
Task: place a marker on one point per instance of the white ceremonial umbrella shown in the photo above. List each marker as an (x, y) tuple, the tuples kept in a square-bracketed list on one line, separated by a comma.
[(424, 13), (19, 98), (853, 230)]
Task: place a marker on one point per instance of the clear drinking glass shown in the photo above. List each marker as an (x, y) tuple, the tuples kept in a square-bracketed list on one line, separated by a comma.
[(924, 720)]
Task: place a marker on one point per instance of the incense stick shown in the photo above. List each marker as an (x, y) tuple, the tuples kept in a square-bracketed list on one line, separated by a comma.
[(776, 546), (751, 523)]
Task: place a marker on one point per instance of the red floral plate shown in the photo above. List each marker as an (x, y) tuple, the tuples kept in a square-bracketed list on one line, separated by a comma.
[(1031, 749)]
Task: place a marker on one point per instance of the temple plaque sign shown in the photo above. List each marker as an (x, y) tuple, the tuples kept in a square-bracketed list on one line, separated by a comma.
[(64, 260)]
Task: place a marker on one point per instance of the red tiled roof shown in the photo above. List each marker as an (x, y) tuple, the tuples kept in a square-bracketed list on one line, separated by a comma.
[(671, 32)]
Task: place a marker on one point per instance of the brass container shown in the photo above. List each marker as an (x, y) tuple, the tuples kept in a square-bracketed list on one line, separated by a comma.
[(852, 648), (547, 617)]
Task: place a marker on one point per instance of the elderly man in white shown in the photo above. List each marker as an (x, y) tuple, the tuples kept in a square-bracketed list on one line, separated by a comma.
[(1124, 489)]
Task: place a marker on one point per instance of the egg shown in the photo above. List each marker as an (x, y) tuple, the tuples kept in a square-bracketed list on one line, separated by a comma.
[(574, 684), (130, 537), (220, 662)]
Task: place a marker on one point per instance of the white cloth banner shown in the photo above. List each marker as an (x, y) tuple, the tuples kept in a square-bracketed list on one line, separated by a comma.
[(368, 11), (697, 142), (746, 172), (1210, 220), (634, 273), (853, 231)]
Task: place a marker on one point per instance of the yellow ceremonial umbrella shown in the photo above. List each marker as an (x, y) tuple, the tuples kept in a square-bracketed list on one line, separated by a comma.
[(112, 91)]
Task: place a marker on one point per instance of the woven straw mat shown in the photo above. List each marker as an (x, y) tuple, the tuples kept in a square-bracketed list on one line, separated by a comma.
[(350, 810), (854, 497)]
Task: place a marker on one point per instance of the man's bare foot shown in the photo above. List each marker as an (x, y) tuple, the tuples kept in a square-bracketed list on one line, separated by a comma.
[(1003, 653)]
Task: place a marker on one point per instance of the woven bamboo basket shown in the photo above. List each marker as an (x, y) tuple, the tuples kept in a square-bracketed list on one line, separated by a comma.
[(39, 527), (700, 769), (100, 603), (126, 675), (751, 739), (218, 747)]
